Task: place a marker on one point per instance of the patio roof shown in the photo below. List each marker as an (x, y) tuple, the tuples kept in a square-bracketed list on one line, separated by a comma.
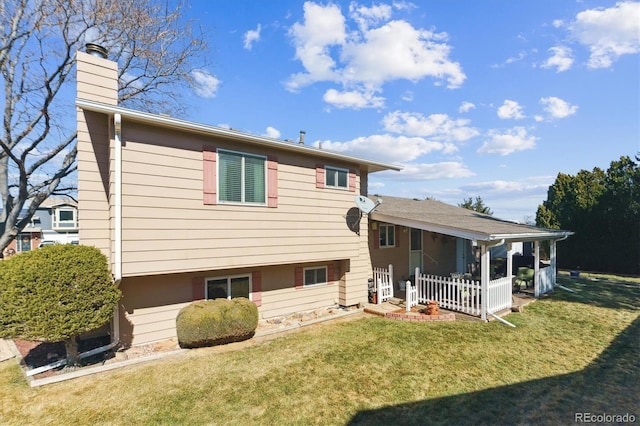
[(446, 219)]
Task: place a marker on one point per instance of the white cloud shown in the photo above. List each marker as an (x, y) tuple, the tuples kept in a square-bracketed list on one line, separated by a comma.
[(505, 143), (367, 16), (252, 36), (510, 110), (205, 84), (561, 58), (272, 132), (387, 147), (466, 107), (433, 171), (408, 96), (362, 60), (608, 33), (323, 27), (557, 108), (352, 99), (435, 126)]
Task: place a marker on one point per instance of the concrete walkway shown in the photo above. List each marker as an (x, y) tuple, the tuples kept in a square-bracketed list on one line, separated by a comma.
[(7, 350)]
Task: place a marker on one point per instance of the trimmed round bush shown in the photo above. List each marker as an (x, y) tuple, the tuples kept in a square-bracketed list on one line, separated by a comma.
[(215, 322)]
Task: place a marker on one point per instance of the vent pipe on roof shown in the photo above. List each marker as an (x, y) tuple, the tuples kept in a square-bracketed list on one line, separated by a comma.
[(302, 133), (96, 50)]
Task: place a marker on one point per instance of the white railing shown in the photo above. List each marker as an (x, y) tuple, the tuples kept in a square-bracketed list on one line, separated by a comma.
[(383, 280), (412, 296), (455, 294), (544, 280), (499, 294)]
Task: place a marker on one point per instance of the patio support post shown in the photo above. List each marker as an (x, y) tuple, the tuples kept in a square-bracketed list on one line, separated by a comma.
[(554, 265), (509, 260), (536, 268), (485, 265)]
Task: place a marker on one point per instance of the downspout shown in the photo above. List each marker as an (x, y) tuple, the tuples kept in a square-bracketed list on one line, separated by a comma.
[(115, 340)]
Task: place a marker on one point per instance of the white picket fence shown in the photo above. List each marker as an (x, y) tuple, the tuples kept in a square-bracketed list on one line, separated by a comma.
[(412, 296), (455, 294), (499, 294), (383, 280)]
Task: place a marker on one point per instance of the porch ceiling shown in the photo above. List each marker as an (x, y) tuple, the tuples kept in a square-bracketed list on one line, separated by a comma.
[(446, 219)]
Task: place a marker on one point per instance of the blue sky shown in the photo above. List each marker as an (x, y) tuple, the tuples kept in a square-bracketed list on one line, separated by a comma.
[(474, 98)]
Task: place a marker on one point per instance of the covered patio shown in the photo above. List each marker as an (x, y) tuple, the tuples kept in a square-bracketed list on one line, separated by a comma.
[(447, 256)]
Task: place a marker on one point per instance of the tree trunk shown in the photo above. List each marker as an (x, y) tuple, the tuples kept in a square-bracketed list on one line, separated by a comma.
[(71, 346)]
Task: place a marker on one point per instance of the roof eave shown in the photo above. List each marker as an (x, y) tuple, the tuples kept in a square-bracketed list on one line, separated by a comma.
[(189, 126)]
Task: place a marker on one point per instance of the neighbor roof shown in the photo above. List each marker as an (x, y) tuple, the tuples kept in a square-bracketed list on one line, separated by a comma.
[(456, 221), (189, 126)]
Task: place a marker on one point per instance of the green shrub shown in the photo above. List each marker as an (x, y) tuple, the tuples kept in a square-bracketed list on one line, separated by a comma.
[(55, 294), (215, 322)]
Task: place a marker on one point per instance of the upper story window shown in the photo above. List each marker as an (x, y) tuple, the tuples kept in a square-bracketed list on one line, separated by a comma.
[(242, 178), (387, 236), (65, 218), (336, 178)]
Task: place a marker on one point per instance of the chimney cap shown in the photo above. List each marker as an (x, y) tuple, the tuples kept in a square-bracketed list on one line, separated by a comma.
[(96, 50)]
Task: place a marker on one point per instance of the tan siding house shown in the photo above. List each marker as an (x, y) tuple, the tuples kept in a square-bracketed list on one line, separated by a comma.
[(186, 211)]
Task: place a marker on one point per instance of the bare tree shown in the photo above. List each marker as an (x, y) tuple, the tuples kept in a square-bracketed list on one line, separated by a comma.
[(157, 51)]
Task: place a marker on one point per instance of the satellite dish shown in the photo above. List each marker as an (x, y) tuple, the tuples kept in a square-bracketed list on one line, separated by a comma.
[(366, 205)]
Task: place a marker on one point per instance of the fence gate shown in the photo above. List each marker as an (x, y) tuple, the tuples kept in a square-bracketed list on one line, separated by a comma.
[(383, 280)]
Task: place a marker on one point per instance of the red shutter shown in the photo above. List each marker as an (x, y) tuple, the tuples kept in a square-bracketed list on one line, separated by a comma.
[(319, 176), (331, 273), (197, 288), (299, 279), (396, 232), (376, 238), (209, 174), (272, 182), (256, 288), (352, 181)]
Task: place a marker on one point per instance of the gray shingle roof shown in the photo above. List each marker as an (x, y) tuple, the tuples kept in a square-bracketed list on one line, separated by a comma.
[(456, 221)]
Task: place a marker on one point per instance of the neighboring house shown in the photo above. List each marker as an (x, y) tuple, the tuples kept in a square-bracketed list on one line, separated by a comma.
[(186, 211), (452, 244), (55, 221)]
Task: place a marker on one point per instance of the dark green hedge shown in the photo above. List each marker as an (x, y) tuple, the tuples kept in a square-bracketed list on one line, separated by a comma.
[(55, 292)]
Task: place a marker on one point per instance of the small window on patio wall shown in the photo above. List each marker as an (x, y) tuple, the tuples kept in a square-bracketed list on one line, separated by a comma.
[(387, 236)]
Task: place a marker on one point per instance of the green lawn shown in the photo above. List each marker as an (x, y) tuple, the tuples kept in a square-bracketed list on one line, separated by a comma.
[(569, 353)]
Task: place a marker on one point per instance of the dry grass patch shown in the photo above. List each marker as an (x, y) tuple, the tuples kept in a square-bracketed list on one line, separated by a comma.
[(569, 352)]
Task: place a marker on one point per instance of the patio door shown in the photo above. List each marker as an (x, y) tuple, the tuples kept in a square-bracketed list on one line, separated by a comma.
[(415, 251)]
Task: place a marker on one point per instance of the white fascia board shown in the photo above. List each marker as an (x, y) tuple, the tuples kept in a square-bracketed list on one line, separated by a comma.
[(454, 232), (189, 126)]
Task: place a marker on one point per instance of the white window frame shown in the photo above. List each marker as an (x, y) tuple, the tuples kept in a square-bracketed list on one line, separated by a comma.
[(336, 170), (228, 278), (304, 276), (386, 227), (242, 195), (58, 223)]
